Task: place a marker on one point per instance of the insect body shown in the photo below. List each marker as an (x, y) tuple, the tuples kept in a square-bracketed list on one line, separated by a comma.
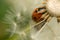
[(38, 13), (41, 16)]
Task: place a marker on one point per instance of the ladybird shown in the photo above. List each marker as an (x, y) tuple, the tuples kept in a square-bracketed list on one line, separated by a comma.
[(38, 13)]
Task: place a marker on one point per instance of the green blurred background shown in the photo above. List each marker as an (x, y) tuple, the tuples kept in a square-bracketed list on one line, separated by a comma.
[(15, 18)]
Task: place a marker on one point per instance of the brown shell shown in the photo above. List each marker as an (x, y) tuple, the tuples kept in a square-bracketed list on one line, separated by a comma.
[(37, 16)]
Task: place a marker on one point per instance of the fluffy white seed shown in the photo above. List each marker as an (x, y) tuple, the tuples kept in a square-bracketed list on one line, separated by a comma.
[(53, 6)]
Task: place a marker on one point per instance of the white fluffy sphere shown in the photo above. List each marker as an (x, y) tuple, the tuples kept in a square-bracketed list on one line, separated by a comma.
[(53, 6)]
